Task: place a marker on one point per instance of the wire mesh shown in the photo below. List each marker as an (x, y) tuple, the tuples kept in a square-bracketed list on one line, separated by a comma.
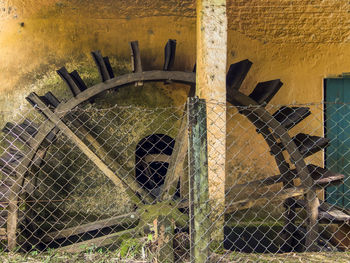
[(117, 179)]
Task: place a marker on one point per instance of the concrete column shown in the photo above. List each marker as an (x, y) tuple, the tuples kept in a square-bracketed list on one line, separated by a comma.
[(211, 86)]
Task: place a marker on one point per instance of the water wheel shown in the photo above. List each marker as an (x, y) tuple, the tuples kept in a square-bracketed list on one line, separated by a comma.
[(16, 165)]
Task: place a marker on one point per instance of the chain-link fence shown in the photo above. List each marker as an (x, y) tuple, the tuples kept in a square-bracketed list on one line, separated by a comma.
[(175, 184)]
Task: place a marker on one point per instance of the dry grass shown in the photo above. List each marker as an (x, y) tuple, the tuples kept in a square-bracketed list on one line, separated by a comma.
[(114, 256)]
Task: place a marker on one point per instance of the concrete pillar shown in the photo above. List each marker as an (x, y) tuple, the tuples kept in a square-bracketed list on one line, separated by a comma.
[(211, 86)]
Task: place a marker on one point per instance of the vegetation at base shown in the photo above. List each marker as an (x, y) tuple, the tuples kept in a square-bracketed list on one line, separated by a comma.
[(104, 256)]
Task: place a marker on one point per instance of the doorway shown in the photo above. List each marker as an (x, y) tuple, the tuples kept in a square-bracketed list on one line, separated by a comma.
[(337, 130)]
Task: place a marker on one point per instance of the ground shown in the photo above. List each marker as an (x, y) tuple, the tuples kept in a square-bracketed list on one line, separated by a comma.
[(116, 256)]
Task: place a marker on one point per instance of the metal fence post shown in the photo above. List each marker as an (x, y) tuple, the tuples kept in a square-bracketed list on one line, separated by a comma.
[(198, 180)]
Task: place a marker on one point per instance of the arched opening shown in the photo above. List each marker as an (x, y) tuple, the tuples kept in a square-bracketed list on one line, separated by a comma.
[(152, 161)]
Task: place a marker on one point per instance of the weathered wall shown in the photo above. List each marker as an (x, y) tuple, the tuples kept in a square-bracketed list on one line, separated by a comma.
[(298, 41)]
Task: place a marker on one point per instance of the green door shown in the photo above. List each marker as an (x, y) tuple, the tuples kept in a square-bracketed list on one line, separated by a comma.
[(337, 129)]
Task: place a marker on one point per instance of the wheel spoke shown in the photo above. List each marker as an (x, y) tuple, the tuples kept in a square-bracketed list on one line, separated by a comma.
[(132, 187)]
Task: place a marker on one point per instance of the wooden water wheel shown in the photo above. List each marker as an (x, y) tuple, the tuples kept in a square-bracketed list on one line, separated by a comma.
[(16, 165)]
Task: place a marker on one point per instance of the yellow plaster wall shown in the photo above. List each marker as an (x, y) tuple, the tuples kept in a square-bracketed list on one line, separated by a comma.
[(298, 41)]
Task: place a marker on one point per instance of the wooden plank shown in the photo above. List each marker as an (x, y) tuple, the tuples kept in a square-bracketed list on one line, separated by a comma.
[(54, 102), (257, 184), (135, 57), (102, 66), (102, 153), (12, 217), (260, 200), (321, 176), (132, 187), (150, 158), (73, 81), (334, 216), (50, 99), (4, 214), (136, 62), (329, 212), (169, 54), (325, 206), (155, 75), (98, 242), (308, 144), (236, 74), (78, 80), (265, 91), (200, 222), (108, 66), (47, 127), (67, 78), (175, 168), (164, 226), (21, 131), (262, 115), (127, 219), (233, 204), (288, 117), (3, 234)]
